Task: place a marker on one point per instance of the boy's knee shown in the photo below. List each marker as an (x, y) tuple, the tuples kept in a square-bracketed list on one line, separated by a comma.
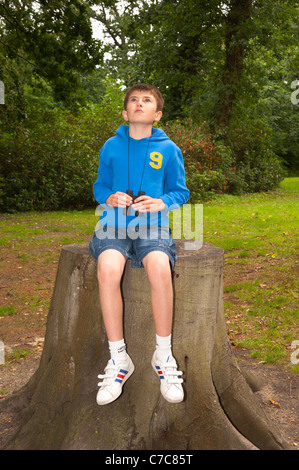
[(108, 273), (158, 269), (110, 269)]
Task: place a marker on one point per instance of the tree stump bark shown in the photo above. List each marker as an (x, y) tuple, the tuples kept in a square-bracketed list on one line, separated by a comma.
[(59, 402)]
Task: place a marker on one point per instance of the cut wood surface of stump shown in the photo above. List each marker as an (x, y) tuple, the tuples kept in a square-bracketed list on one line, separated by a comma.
[(58, 405)]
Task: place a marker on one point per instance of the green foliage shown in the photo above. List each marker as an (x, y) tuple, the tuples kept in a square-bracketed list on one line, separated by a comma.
[(51, 160), (227, 83), (213, 167), (206, 171), (216, 62), (54, 37)]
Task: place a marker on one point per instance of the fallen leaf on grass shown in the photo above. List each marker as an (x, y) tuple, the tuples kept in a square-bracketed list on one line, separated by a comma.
[(275, 403)]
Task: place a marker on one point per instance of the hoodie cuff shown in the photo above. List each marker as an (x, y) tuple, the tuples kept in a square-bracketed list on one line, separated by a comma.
[(101, 196), (170, 206)]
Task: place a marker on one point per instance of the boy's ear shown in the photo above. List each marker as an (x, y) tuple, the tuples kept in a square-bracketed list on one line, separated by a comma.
[(125, 115), (158, 116)]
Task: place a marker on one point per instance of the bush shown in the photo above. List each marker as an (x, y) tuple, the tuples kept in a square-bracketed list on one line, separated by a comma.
[(50, 162), (242, 163), (208, 168), (257, 166)]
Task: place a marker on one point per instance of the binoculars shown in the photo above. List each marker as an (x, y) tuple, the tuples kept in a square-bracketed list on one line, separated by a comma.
[(127, 210)]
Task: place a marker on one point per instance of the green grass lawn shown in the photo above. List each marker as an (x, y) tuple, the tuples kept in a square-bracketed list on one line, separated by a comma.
[(259, 233)]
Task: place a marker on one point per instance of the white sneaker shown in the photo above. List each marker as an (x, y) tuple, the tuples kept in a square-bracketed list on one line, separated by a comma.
[(170, 383), (113, 380)]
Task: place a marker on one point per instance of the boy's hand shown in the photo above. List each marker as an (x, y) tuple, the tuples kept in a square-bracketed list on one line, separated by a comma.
[(119, 199), (148, 204)]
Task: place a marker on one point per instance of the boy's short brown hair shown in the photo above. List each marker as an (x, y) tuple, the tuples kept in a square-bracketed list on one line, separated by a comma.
[(150, 89)]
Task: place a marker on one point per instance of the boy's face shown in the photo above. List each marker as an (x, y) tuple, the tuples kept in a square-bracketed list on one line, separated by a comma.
[(142, 108)]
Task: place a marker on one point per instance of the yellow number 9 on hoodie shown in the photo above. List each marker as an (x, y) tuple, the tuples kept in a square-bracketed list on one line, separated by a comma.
[(156, 158)]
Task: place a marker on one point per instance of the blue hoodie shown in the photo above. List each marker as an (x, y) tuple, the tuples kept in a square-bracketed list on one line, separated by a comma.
[(122, 166)]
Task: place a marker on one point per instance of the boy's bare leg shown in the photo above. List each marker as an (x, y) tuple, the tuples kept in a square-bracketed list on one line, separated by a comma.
[(158, 270), (120, 367), (157, 267), (111, 265)]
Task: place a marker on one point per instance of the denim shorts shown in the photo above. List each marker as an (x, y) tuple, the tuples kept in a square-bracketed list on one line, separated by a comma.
[(134, 246)]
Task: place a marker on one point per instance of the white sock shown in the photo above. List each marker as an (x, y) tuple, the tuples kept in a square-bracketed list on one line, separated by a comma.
[(163, 347), (118, 350)]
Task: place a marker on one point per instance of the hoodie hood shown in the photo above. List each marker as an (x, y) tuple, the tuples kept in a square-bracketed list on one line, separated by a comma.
[(157, 134)]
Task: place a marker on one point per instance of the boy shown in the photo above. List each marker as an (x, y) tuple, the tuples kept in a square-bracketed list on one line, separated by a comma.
[(141, 176)]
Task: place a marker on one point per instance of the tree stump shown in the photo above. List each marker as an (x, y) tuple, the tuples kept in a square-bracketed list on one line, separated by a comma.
[(58, 404)]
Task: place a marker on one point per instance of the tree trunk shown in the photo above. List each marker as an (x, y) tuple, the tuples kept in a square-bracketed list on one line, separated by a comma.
[(236, 39), (59, 402)]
